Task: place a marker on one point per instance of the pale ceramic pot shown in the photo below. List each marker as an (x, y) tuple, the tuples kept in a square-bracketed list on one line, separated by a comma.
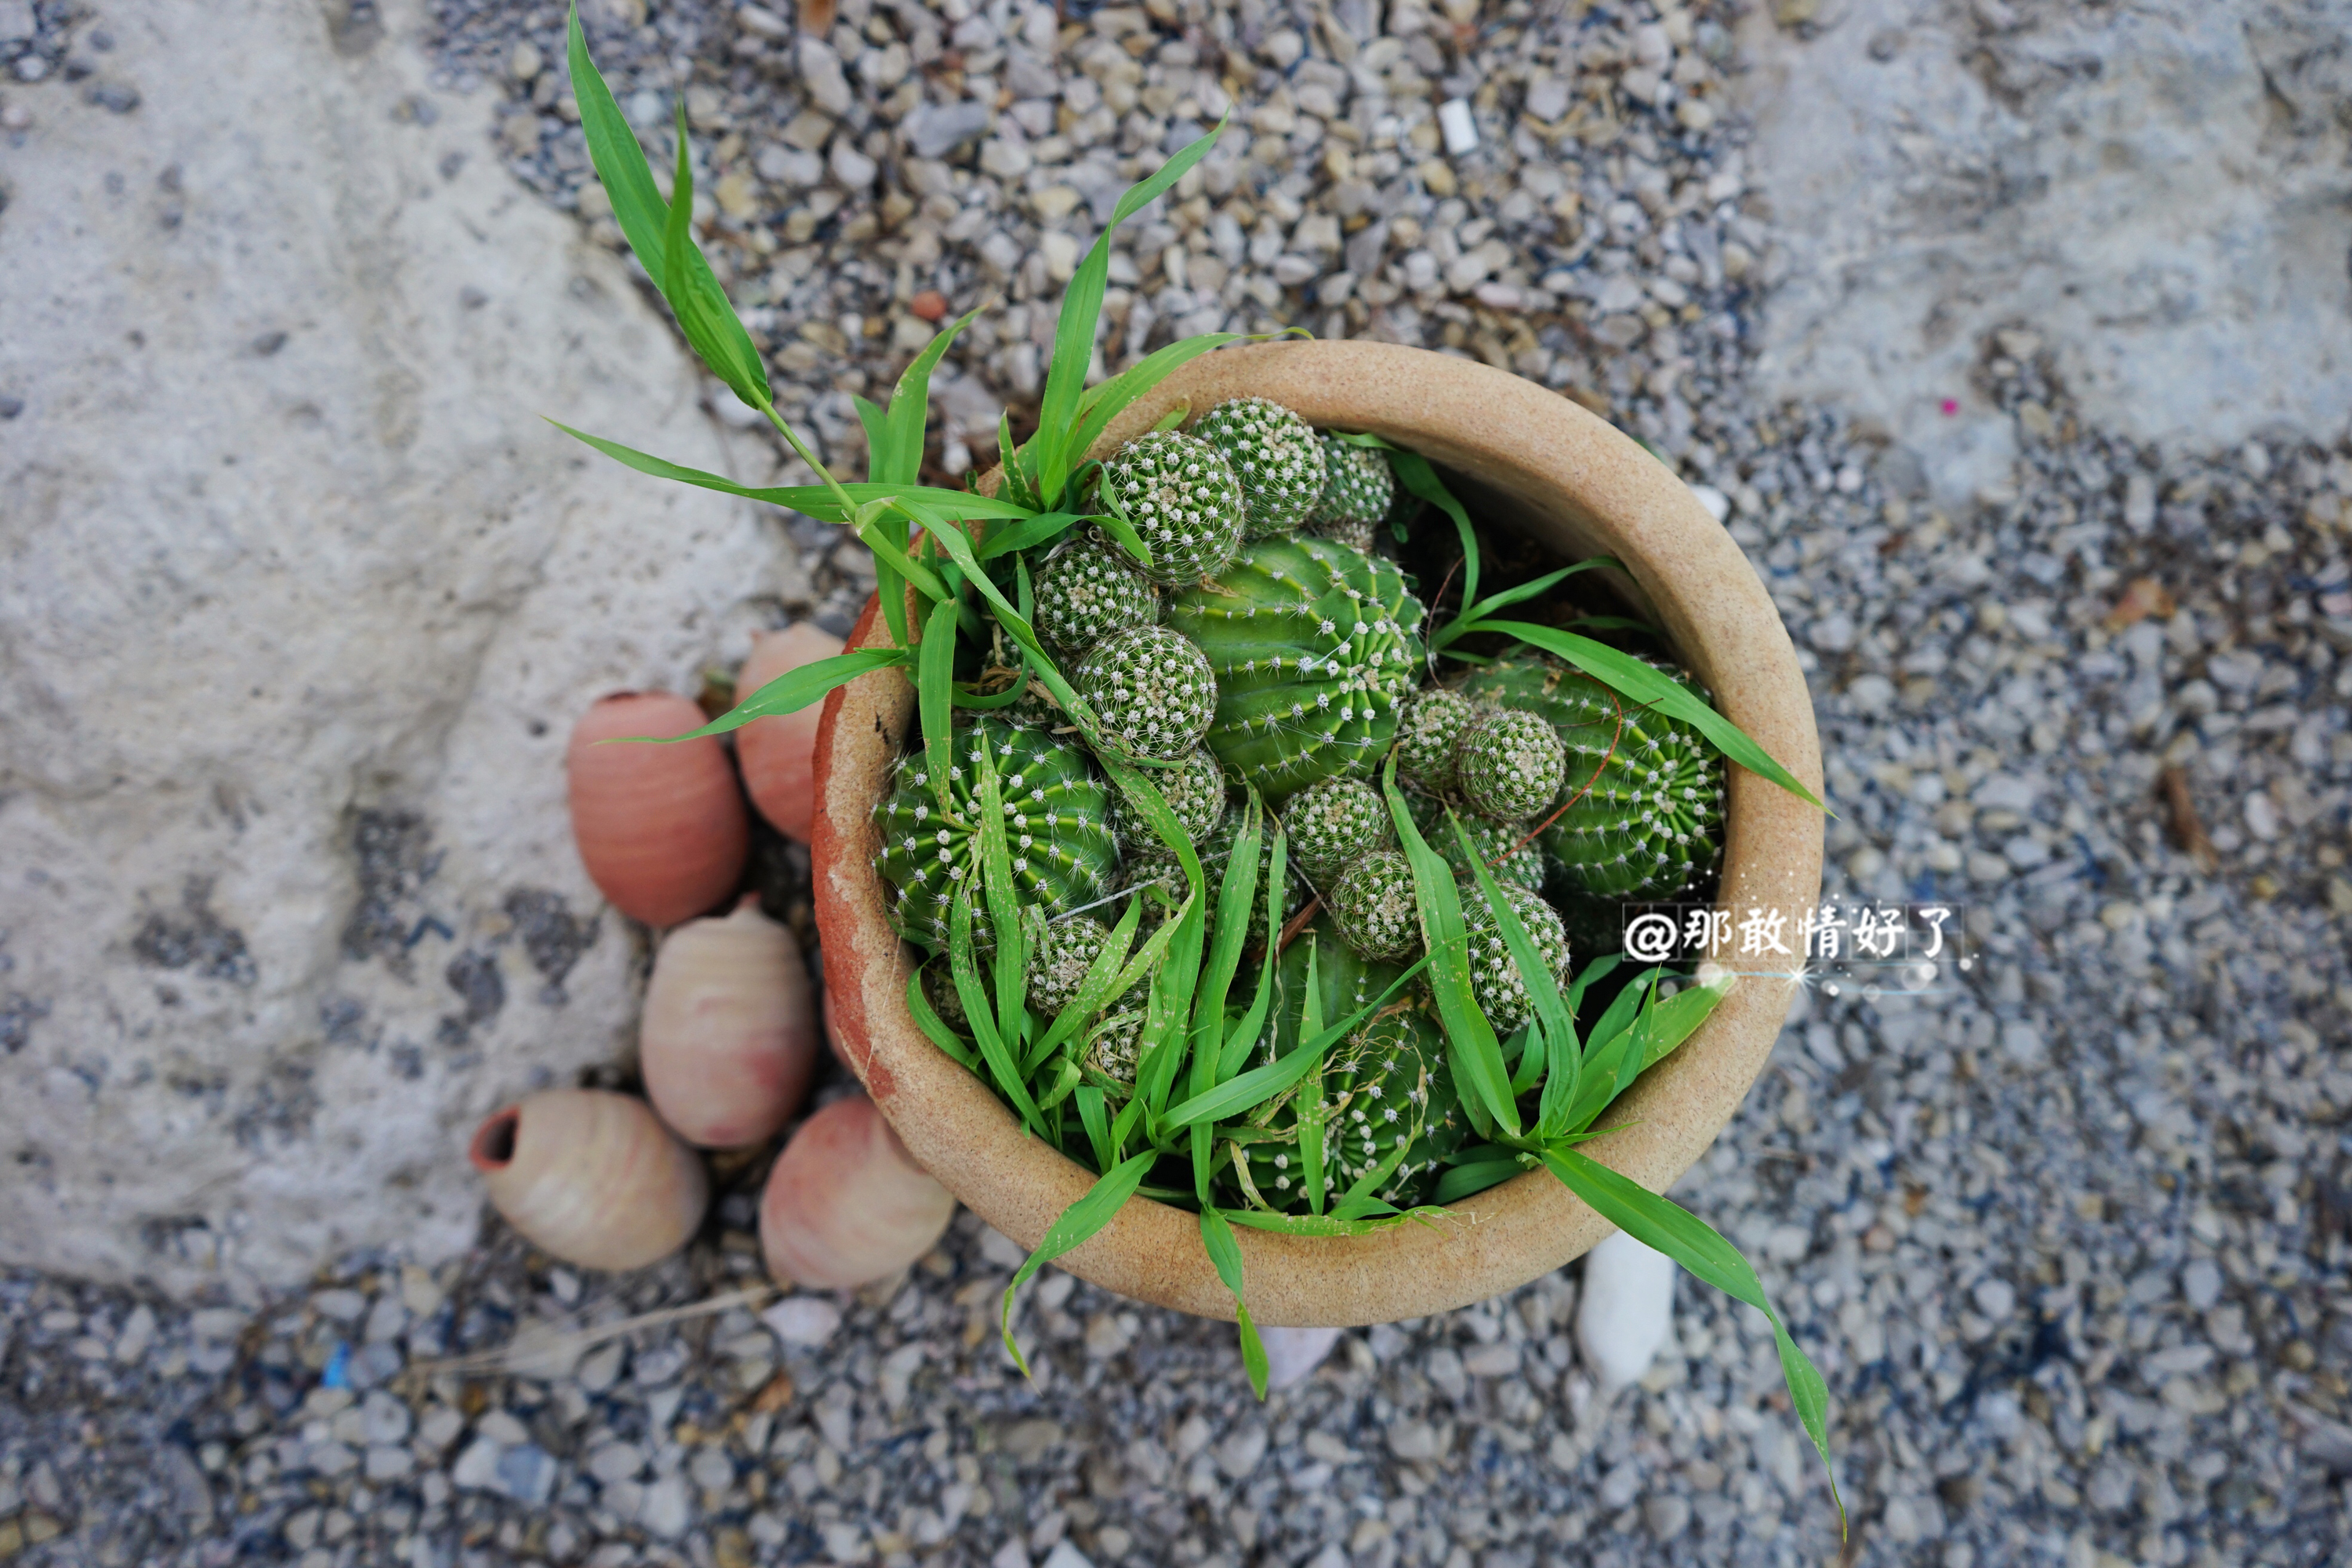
[(1534, 460)]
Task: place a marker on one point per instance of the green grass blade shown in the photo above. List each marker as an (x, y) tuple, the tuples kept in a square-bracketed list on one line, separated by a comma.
[(1469, 1179), (1645, 1040), (1029, 533), (619, 161), (1413, 471), (818, 501), (1675, 1019), (974, 997), (1475, 1053), (704, 312), (1094, 1115), (1244, 1033), (934, 696), (1074, 333), (1665, 1225), (934, 1028), (1590, 975), (790, 692), (1095, 990), (909, 403), (1103, 404), (1628, 676), (877, 437), (1078, 1225), (1262, 1083), (1323, 1225), (1543, 987), (1227, 933), (1003, 904), (1619, 1014), (1225, 1254), (1510, 596)]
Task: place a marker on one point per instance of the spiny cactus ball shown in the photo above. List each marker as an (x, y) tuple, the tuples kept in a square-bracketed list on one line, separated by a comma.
[(1152, 690), (1358, 488), (1315, 649), (1055, 812), (939, 991), (1194, 790), (1276, 456), (1111, 1049), (1060, 954), (1372, 906), (1333, 823), (1429, 738), (1652, 821), (1495, 979), (1496, 842), (1510, 764), (1088, 589), (1183, 500), (1370, 1104)]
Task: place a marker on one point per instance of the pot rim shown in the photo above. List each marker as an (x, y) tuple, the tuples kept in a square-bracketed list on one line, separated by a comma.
[(1584, 488)]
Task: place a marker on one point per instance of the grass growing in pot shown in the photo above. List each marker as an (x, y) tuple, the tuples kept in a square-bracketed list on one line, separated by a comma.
[(1220, 848)]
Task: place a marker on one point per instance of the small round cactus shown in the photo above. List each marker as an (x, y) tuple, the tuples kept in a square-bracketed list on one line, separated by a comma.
[(1430, 737), (1651, 821), (1194, 790), (1151, 689), (1510, 763), (939, 991), (1054, 810), (1498, 845), (1278, 459), (1183, 501), (1060, 954), (1358, 489), (1495, 981), (1109, 1058), (1088, 589), (1372, 1102), (1315, 649), (1372, 906), (1333, 823)]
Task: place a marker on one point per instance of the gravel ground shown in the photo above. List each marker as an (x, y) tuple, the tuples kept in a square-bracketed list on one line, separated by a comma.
[(2069, 1240)]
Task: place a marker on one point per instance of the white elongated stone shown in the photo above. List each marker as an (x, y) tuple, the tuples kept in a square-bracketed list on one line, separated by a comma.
[(1461, 131), (1293, 1354), (1626, 1311)]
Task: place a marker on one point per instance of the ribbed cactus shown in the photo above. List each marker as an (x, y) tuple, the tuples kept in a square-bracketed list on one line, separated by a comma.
[(1152, 692), (1374, 1090), (1372, 906), (1315, 649), (1510, 765), (1276, 456), (1088, 589), (1496, 981), (1652, 821), (1430, 738), (1183, 501), (1194, 790), (1498, 846), (1054, 821), (1333, 823), (1358, 489)]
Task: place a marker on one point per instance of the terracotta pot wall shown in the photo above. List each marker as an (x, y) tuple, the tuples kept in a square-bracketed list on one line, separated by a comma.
[(1566, 478)]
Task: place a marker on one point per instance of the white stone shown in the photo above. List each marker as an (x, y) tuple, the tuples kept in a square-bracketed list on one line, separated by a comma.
[(2155, 218), (1460, 131), (1293, 1354), (258, 587), (1626, 1311), (802, 1319)]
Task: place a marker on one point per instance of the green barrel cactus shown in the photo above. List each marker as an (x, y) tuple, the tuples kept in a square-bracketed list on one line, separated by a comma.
[(1372, 906), (1374, 1090), (1054, 821), (1088, 590), (1194, 790), (1498, 846), (1315, 647), (1152, 690), (1510, 763), (1183, 501), (1496, 981), (1358, 489), (1430, 738), (1334, 823), (1651, 823), (1276, 456)]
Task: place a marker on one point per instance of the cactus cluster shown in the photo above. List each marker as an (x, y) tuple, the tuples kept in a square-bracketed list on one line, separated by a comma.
[(1151, 689), (1194, 790), (1510, 765), (1183, 500), (1373, 908), (1276, 456), (1055, 825), (1314, 649), (1088, 590), (1430, 736), (1358, 490), (1060, 954), (1333, 823), (1498, 845), (1496, 983)]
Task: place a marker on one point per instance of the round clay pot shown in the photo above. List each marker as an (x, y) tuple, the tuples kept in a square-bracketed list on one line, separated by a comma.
[(1532, 458)]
